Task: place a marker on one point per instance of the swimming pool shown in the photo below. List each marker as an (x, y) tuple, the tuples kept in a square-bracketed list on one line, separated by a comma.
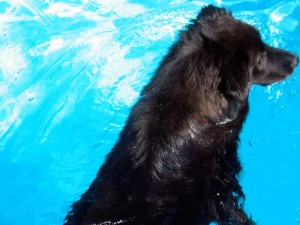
[(71, 70)]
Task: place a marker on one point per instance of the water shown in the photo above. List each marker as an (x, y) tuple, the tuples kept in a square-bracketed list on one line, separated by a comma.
[(70, 72)]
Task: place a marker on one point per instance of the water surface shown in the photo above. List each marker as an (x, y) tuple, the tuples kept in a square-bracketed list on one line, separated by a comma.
[(71, 70)]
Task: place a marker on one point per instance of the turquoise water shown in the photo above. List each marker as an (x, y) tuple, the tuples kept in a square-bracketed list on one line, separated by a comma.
[(71, 70)]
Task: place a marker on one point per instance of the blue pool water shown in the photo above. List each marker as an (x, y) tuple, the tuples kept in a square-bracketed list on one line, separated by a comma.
[(70, 70)]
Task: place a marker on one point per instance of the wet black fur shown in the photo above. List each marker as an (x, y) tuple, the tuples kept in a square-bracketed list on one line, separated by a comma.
[(176, 161)]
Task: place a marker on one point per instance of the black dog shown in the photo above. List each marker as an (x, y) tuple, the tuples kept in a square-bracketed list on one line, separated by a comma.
[(176, 160)]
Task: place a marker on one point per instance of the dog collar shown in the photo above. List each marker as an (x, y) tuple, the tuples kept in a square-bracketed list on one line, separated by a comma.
[(200, 120)]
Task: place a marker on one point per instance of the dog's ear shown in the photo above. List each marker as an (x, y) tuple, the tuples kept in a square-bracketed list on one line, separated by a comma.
[(213, 21), (210, 13)]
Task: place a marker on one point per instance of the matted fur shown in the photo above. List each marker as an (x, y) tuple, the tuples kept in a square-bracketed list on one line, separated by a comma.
[(176, 160)]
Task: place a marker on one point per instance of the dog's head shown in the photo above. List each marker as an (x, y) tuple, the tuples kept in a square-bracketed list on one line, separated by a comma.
[(244, 58), (239, 56)]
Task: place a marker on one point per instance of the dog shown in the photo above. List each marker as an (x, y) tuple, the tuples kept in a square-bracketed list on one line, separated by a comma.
[(176, 160)]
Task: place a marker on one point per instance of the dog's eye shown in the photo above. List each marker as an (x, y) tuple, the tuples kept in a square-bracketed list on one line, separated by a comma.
[(259, 58), (259, 61)]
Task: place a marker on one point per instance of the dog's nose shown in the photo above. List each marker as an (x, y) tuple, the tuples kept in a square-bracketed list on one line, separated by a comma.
[(294, 60), (291, 62), (295, 63)]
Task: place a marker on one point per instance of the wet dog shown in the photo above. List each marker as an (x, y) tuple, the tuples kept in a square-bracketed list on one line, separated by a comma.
[(176, 160)]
